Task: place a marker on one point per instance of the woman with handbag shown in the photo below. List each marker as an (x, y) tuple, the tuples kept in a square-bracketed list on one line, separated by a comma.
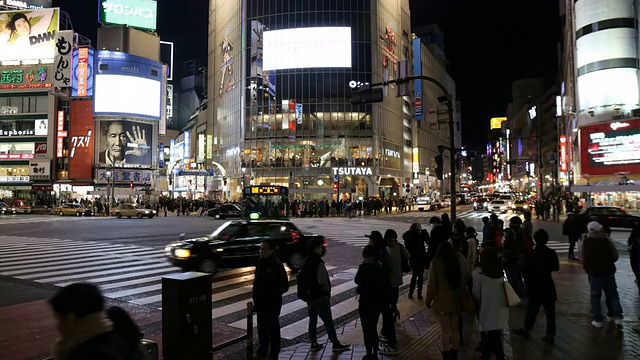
[(489, 292), (444, 289)]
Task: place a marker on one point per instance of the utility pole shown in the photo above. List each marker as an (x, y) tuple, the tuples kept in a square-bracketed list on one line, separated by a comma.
[(367, 94)]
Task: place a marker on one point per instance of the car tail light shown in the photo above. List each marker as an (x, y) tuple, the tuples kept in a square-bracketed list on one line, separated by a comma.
[(324, 242), (295, 237)]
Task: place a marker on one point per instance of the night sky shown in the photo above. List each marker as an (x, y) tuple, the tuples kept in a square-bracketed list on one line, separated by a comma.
[(488, 43)]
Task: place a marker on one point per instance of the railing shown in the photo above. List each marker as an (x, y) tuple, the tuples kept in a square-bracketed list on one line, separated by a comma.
[(149, 347), (248, 337)]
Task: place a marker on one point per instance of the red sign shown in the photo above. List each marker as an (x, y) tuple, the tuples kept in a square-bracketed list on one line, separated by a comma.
[(40, 148), (83, 70), (16, 156), (564, 159), (81, 135), (610, 148)]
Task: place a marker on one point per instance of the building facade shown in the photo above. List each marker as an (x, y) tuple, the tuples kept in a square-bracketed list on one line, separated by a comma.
[(281, 110), (600, 99)]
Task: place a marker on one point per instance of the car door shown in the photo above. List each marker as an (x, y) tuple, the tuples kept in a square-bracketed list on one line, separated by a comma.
[(244, 248)]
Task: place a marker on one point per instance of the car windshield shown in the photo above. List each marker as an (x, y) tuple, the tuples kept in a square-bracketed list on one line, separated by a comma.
[(497, 202), (227, 231), (520, 201)]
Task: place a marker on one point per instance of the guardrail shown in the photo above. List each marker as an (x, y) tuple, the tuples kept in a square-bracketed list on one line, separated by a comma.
[(248, 337), (149, 347)]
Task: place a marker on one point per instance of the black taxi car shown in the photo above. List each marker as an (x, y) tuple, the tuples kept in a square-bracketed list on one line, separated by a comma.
[(236, 244), (610, 217), (225, 211)]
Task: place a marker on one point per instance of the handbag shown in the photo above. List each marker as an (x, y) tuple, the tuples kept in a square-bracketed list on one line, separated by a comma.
[(404, 262), (510, 295), (468, 303)]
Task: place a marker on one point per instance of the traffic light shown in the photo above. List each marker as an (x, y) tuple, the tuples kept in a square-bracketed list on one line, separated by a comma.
[(335, 186), (439, 167), (131, 185), (367, 96)]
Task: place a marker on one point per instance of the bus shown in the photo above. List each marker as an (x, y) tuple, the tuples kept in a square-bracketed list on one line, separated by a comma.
[(265, 202)]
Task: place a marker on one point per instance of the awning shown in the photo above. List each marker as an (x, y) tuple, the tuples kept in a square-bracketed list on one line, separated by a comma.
[(604, 188)]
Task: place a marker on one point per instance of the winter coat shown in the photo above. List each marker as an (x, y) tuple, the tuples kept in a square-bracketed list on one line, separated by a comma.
[(513, 242), (416, 244), (315, 274), (270, 282), (634, 255), (489, 295), (598, 254), (371, 285), (440, 296), (540, 262), (472, 253), (397, 250), (438, 236)]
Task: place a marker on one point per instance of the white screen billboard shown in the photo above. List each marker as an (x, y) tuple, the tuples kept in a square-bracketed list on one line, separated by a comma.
[(127, 95), (328, 47)]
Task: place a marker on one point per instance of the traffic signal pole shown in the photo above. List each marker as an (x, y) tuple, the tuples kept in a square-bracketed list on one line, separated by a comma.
[(374, 95)]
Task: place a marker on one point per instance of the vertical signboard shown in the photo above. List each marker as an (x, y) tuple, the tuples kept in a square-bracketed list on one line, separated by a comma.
[(61, 134), (82, 72), (81, 134), (161, 158), (564, 160), (169, 102), (40, 169), (201, 148), (187, 145), (209, 147), (172, 151), (417, 85), (299, 114), (62, 58)]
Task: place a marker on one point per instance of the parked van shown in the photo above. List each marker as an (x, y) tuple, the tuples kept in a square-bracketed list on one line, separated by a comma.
[(19, 206)]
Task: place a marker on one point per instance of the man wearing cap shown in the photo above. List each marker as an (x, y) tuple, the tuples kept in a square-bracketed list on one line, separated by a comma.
[(512, 255), (388, 332), (598, 257)]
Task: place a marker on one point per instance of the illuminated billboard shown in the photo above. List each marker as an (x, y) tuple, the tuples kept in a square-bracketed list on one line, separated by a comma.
[(26, 77), (496, 122), (81, 139), (27, 4), (127, 85), (125, 143), (134, 13), (82, 72), (610, 148), (315, 47), (28, 35)]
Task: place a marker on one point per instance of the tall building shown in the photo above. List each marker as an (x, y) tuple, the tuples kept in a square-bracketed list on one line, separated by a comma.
[(600, 100), (280, 84)]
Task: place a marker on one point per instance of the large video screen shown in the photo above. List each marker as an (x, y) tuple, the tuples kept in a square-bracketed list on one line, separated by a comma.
[(328, 47), (125, 143), (28, 35), (127, 95), (611, 147)]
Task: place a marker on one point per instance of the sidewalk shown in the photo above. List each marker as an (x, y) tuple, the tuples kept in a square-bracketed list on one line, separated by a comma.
[(419, 335)]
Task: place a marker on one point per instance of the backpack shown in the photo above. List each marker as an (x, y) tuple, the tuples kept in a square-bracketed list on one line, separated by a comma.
[(304, 283)]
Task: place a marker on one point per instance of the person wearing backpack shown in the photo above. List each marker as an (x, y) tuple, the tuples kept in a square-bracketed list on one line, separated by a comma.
[(270, 282), (370, 302), (314, 288), (512, 255)]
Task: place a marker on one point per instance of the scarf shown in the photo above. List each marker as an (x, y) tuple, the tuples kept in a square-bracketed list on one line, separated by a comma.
[(86, 328)]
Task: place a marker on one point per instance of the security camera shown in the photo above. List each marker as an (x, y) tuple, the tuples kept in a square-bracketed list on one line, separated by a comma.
[(591, 112)]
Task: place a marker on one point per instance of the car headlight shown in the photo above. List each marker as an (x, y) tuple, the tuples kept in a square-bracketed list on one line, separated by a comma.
[(475, 203), (525, 206), (182, 253), (168, 248), (146, 211)]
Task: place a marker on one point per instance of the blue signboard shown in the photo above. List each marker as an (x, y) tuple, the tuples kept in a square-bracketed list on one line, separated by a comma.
[(417, 85), (161, 161), (127, 85), (82, 72)]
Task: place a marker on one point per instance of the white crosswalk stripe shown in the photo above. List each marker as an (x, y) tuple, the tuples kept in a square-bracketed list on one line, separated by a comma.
[(26, 218), (134, 274), (352, 231)]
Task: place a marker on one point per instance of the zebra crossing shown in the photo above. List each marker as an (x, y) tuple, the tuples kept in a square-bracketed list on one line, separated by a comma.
[(352, 231), (134, 274), (26, 219)]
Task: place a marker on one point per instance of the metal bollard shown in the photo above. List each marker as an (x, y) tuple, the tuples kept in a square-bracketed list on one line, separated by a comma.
[(250, 330), (150, 349)]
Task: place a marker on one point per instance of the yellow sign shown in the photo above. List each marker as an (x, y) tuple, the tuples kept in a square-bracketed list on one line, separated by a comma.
[(496, 122), (265, 190)]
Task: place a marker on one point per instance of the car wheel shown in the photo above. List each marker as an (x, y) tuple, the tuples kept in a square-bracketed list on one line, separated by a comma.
[(139, 215), (217, 216), (208, 266), (294, 262), (61, 213), (119, 216)]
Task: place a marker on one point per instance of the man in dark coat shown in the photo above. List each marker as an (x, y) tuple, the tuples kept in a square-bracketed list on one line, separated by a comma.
[(438, 235), (270, 282), (573, 228), (540, 263), (415, 240)]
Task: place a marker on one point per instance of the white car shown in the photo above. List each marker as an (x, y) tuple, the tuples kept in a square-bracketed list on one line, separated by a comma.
[(424, 203), (498, 206), (446, 201)]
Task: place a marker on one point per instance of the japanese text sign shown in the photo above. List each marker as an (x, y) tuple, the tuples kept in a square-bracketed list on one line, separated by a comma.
[(123, 176), (62, 59), (40, 169), (135, 13)]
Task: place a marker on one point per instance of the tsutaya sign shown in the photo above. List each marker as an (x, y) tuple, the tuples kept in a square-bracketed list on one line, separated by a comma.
[(352, 171)]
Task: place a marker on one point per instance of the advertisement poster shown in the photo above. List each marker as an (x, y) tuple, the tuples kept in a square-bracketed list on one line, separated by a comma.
[(81, 135), (610, 148), (62, 60), (135, 13), (25, 77), (28, 34), (128, 85), (82, 72), (27, 4), (125, 143)]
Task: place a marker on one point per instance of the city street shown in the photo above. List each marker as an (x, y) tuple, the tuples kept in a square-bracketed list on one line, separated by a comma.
[(39, 254)]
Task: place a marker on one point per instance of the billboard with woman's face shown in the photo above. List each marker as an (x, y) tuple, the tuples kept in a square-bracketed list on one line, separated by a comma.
[(28, 35)]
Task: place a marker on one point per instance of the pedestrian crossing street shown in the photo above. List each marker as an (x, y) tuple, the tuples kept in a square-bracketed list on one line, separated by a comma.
[(134, 274), (352, 231)]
